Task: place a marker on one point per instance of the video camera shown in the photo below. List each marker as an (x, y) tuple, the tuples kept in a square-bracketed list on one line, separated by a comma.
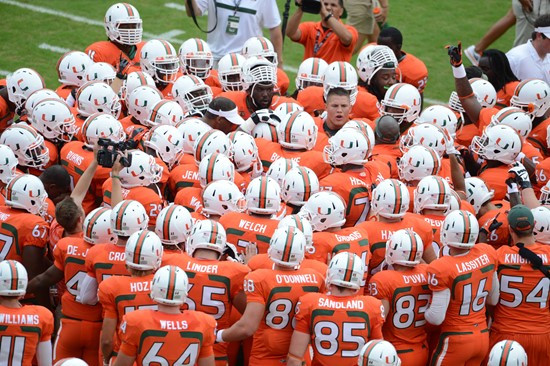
[(311, 6), (109, 150)]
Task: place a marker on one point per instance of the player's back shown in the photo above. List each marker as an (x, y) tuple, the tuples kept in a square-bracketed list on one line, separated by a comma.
[(279, 291), (339, 326), (469, 278), (177, 339), (18, 229), (22, 329), (355, 193), (311, 98), (409, 296), (183, 176), (329, 243), (413, 71), (106, 260), (242, 229), (523, 303)]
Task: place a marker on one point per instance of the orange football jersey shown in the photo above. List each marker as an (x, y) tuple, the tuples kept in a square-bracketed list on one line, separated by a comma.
[(469, 278), (70, 257), (435, 221), (312, 99), (523, 303), (245, 110), (355, 193), (484, 119), (495, 224), (494, 178), (64, 90), (183, 176), (19, 229), (413, 71), (339, 326), (531, 152), (106, 260), (465, 135), (366, 106), (262, 261), (107, 51), (542, 172), (22, 330), (6, 115), (174, 338), (279, 292), (243, 229), (190, 198), (505, 94), (539, 134)]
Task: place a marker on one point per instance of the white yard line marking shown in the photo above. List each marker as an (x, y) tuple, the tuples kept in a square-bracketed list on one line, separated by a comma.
[(56, 49), (76, 18), (175, 6), (290, 68), (4, 72), (434, 101), (171, 34)]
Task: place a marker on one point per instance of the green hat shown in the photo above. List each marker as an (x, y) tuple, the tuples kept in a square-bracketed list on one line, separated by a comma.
[(520, 218)]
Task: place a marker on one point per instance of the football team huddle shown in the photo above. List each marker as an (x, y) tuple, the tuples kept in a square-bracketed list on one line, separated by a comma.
[(158, 209)]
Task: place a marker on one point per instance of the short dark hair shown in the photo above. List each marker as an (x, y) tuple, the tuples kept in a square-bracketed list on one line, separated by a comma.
[(67, 213), (473, 72), (542, 21), (219, 104), (58, 175), (393, 34), (338, 91)]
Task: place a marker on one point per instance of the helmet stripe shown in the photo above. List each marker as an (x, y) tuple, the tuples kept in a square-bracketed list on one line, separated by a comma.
[(467, 227), (505, 353), (288, 244), (200, 144), (436, 161), (171, 283), (520, 85), (370, 349), (307, 183), (167, 47), (349, 267), (120, 215), (210, 167), (298, 222), (265, 47), (315, 67), (234, 61), (129, 9), (506, 114), (200, 46), (263, 193), (155, 110), (342, 69), (166, 223), (213, 233), (93, 220), (398, 196), (139, 246), (394, 92), (289, 124), (441, 194), (142, 79), (414, 245), (9, 188), (14, 275)]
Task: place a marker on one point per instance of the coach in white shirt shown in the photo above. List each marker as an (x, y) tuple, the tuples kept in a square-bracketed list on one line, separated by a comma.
[(531, 60), (237, 21)]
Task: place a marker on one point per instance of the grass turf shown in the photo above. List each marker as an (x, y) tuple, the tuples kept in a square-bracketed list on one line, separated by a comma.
[(427, 26)]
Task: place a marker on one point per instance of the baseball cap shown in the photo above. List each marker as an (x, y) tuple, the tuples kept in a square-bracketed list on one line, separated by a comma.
[(543, 30), (225, 107), (520, 218)]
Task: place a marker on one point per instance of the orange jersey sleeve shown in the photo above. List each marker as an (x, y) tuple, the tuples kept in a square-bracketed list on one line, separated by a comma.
[(311, 159), (538, 136), (493, 179), (64, 91), (413, 71), (268, 152), (366, 106), (19, 229), (355, 193), (213, 80), (484, 118), (6, 115), (312, 99), (495, 224), (107, 51), (466, 134), (542, 172), (505, 94), (106, 260), (243, 229), (283, 82)]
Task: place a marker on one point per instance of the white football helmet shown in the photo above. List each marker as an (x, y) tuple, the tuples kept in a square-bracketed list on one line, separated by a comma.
[(123, 24), (287, 108), (54, 120), (500, 142), (287, 247), (210, 142), (173, 225), (133, 80), (165, 112), (378, 353), (459, 230), (160, 60), (72, 68), (545, 194), (13, 278), (26, 192), (142, 171), (310, 73), (425, 134), (297, 131), (325, 210), (101, 71), (532, 96), (340, 74), (21, 84), (141, 101), (477, 192), (515, 118), (278, 169), (364, 128), (372, 59), (260, 46), (215, 167), (230, 72), (127, 217), (170, 286), (345, 270), (417, 163), (71, 361), (484, 91), (301, 224), (265, 131), (432, 192), (405, 247), (143, 251), (206, 234), (402, 97), (222, 196), (97, 227), (196, 58), (390, 199), (192, 93), (27, 144), (299, 184), (38, 96), (263, 196), (102, 126), (441, 116), (257, 69), (542, 224), (507, 353), (166, 141), (97, 97), (191, 129), (8, 164), (245, 152), (347, 146)]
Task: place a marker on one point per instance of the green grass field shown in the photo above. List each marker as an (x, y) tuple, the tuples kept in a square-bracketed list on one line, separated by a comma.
[(427, 26)]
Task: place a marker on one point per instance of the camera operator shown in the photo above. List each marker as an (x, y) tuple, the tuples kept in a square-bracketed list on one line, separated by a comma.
[(329, 39)]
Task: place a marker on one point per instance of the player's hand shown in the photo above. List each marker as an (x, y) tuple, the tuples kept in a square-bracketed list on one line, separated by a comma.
[(381, 16), (450, 148), (265, 116), (324, 12), (117, 166), (250, 251), (455, 54), (123, 64), (519, 174)]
